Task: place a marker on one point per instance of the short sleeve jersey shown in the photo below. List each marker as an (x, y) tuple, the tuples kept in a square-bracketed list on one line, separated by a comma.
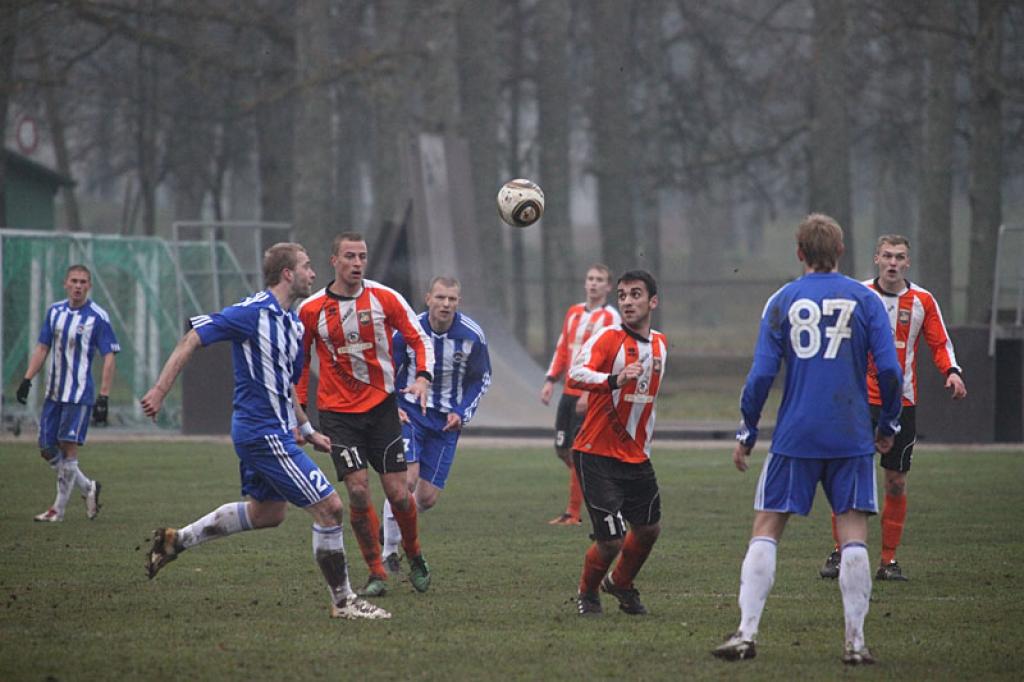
[(74, 335), (620, 419), (266, 348), (461, 367), (823, 325)]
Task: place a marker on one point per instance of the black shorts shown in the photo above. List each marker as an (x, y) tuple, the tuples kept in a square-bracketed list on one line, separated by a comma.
[(615, 492), (374, 436), (899, 458), (567, 422)]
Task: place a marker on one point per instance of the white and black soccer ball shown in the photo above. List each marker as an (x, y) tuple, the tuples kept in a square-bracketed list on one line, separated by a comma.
[(520, 202)]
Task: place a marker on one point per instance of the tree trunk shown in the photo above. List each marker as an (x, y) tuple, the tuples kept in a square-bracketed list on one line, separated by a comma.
[(8, 42), (986, 157), (553, 97), (611, 132), (313, 158), (934, 247), (58, 132), (478, 90), (830, 145)]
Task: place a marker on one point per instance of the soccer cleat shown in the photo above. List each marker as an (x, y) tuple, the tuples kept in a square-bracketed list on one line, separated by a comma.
[(165, 549), (393, 564), (375, 587), (419, 573), (629, 600), (588, 604), (51, 515), (831, 567), (354, 608), (735, 648), (891, 571), (565, 520), (860, 656), (92, 500)]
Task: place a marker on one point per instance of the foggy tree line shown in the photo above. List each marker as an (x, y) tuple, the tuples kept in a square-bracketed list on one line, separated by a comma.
[(740, 110)]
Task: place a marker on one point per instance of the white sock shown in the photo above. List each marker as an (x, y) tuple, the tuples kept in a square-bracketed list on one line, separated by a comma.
[(81, 480), (225, 520), (329, 553), (756, 579), (65, 482), (392, 533), (855, 583)]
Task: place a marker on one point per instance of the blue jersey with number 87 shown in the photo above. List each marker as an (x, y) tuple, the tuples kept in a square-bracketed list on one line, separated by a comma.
[(823, 325)]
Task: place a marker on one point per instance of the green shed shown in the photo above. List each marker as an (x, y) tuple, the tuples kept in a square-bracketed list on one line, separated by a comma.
[(29, 192)]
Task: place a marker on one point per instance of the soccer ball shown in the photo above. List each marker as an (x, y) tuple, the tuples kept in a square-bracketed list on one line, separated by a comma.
[(520, 202)]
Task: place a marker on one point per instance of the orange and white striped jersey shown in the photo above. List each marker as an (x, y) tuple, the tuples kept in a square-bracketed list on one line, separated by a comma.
[(353, 343), (911, 312), (620, 419), (579, 325)]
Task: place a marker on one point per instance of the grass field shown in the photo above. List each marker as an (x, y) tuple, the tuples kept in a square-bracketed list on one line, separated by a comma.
[(77, 605)]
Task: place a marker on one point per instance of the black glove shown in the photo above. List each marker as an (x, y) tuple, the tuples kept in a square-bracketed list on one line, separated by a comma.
[(22, 393), (99, 412)]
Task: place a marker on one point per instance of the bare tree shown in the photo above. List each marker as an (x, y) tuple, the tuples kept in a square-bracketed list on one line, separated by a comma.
[(934, 249), (986, 162)]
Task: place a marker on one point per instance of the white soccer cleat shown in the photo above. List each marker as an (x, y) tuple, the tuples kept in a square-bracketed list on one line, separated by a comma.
[(735, 648), (51, 515), (859, 656), (354, 608), (92, 500)]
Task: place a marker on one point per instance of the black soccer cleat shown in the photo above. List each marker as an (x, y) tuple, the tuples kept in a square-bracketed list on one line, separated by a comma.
[(588, 604), (165, 549), (629, 600), (891, 571), (831, 567)]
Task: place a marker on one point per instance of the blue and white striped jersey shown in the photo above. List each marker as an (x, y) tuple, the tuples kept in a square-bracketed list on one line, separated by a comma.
[(461, 367), (823, 325), (267, 357), (74, 335)]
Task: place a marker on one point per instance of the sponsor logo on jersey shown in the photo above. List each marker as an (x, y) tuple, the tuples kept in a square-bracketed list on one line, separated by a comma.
[(901, 344), (642, 385), (639, 398), (354, 348), (364, 317), (458, 356), (904, 317), (352, 337)]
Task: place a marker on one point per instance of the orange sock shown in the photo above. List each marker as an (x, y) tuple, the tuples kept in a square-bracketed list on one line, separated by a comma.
[(594, 568), (893, 515), (835, 531), (366, 526), (408, 524), (575, 494), (631, 560)]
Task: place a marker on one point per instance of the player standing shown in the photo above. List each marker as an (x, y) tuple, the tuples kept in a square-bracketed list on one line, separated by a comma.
[(823, 325), (581, 321), (352, 320), (913, 311), (75, 329), (267, 357), (462, 375), (622, 367)]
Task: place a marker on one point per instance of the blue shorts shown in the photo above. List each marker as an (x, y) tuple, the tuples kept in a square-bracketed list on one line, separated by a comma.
[(787, 484), (426, 443), (62, 422), (275, 468)]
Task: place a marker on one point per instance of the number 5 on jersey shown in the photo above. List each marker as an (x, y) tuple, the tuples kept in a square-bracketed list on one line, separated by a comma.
[(804, 333)]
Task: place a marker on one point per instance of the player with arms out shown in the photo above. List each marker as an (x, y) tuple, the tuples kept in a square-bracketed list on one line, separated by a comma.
[(74, 329), (621, 367), (267, 356), (823, 325), (913, 312), (352, 321), (462, 375), (581, 321)]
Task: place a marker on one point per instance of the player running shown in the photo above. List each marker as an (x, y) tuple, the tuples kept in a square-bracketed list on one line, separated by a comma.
[(352, 321), (75, 329), (823, 325), (462, 375), (581, 321), (622, 367), (267, 354), (913, 311)]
